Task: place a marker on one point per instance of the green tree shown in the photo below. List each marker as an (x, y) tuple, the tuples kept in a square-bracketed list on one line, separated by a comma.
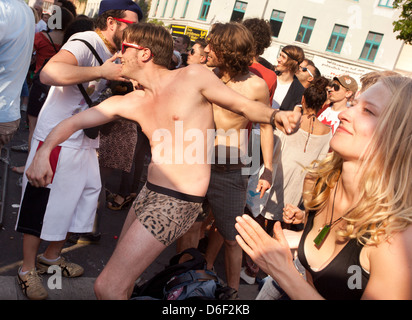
[(145, 6), (404, 24)]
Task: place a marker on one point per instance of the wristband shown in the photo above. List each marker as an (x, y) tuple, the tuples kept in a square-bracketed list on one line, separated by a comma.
[(272, 118)]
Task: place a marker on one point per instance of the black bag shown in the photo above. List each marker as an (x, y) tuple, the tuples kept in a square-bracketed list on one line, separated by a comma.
[(93, 132), (189, 275)]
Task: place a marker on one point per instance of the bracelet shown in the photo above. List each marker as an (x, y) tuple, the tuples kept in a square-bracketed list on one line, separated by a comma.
[(272, 118)]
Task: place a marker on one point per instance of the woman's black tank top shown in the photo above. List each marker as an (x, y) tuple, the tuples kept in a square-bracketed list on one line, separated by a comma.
[(343, 278)]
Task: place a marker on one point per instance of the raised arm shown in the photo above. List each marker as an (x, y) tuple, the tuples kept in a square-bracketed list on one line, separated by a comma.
[(216, 92), (63, 70)]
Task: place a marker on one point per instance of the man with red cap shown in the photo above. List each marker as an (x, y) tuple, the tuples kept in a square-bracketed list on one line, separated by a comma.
[(68, 204)]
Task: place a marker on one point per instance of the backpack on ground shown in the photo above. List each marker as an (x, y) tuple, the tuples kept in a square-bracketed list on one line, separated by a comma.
[(180, 281)]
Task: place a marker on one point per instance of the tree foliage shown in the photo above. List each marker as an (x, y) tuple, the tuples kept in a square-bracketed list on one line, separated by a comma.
[(404, 24)]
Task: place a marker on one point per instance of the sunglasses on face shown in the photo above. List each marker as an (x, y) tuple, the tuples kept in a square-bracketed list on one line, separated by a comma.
[(123, 20), (126, 45), (192, 52), (335, 86), (304, 69)]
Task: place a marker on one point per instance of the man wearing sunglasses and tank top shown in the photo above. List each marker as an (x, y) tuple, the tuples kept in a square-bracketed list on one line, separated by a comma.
[(68, 203), (342, 91)]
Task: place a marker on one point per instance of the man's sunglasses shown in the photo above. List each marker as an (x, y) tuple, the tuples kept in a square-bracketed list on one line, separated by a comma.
[(126, 45), (304, 69), (123, 20)]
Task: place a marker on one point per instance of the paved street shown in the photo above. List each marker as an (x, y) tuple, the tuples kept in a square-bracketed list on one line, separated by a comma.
[(92, 257)]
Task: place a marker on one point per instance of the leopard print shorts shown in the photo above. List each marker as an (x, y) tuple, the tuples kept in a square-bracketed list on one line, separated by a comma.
[(165, 213)]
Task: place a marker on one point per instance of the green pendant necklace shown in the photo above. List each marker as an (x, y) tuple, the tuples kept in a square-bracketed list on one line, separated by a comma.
[(324, 231)]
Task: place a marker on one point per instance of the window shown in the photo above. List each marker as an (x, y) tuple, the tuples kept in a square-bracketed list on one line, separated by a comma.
[(238, 11), (164, 9), (337, 38), (185, 9), (204, 11), (305, 30), (157, 7), (174, 9), (386, 3), (370, 49), (276, 20)]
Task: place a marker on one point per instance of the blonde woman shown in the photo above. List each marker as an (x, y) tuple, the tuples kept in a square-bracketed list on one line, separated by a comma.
[(357, 241)]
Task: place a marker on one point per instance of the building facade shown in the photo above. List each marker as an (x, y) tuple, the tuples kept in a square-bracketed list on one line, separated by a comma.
[(340, 36)]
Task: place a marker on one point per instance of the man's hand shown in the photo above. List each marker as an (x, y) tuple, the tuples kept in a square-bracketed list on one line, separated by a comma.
[(288, 121), (111, 70), (40, 172), (265, 182), (292, 214)]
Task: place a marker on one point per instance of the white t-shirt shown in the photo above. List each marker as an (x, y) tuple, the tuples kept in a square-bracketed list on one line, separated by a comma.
[(280, 94), (330, 118), (16, 47), (64, 102)]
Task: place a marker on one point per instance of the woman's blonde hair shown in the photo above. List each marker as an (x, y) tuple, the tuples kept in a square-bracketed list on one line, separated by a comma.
[(385, 205)]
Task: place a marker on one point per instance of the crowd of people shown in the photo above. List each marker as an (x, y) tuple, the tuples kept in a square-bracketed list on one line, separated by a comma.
[(330, 195)]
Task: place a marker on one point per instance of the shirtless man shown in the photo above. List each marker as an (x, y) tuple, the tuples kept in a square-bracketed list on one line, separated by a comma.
[(231, 50), (176, 186)]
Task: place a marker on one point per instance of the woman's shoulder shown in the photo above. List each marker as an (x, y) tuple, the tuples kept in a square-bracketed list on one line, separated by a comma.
[(395, 249), (390, 266)]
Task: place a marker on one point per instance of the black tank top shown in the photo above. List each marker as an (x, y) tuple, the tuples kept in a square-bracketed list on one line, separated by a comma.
[(343, 278)]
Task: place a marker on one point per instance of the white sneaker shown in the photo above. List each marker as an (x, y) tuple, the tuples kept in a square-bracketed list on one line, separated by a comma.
[(245, 277)]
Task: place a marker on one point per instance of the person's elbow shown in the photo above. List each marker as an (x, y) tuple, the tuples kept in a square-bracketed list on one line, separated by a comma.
[(47, 76)]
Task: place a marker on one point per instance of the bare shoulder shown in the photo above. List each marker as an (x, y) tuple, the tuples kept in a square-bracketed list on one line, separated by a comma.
[(198, 73), (195, 69), (119, 104), (251, 86), (391, 267), (396, 251)]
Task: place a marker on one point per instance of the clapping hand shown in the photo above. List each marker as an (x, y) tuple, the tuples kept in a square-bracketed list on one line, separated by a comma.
[(272, 255)]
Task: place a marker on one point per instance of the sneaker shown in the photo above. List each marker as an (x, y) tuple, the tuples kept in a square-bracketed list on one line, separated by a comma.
[(21, 148), (32, 286), (69, 269), (245, 277), (86, 238)]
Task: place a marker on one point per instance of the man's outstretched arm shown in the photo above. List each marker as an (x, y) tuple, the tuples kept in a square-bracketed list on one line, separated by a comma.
[(213, 89), (40, 173)]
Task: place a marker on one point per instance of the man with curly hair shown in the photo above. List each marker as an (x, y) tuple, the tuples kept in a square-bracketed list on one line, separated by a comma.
[(231, 51)]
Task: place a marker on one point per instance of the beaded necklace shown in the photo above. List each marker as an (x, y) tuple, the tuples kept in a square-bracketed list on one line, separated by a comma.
[(111, 48)]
